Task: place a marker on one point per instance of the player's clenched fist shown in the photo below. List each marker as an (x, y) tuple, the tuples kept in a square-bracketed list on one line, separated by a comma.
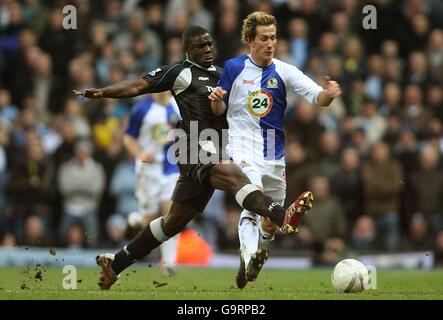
[(332, 87), (217, 94), (91, 93)]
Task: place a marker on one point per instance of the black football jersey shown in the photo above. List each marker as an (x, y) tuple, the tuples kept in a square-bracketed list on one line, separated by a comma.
[(190, 85)]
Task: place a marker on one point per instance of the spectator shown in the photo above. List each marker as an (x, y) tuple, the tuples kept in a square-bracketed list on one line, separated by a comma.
[(363, 235), (435, 53), (347, 185), (8, 240), (174, 50), (372, 122), (340, 24), (282, 51), (122, 186), (8, 112), (75, 237), (356, 98), (138, 31), (35, 14), (382, 184), (59, 43), (328, 164), (334, 251), (47, 89), (374, 79), (299, 169), (309, 12), (199, 15), (434, 100), (227, 37), (391, 99), (303, 125), (81, 182), (35, 234), (298, 33), (326, 219), (328, 46), (419, 236), (31, 180), (74, 114), (427, 185), (418, 69), (115, 231), (353, 58), (414, 113)]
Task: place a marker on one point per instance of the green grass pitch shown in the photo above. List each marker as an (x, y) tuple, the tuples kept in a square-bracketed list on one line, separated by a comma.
[(141, 282)]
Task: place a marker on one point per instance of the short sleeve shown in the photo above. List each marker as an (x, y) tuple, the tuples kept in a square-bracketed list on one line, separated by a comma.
[(301, 83), (136, 118), (162, 78)]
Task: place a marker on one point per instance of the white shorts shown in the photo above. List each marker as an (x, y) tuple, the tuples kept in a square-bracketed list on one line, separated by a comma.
[(270, 175), (153, 188)]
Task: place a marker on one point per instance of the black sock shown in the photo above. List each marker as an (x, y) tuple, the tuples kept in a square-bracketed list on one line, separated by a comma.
[(138, 248), (265, 206)]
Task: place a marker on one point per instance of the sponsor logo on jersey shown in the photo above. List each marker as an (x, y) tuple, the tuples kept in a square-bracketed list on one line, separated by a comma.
[(203, 78), (248, 81), (272, 83), (260, 103)]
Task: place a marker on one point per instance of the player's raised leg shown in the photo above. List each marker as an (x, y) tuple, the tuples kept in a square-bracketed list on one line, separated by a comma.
[(230, 178)]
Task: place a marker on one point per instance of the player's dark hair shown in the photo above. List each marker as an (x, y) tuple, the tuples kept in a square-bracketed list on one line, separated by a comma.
[(191, 32)]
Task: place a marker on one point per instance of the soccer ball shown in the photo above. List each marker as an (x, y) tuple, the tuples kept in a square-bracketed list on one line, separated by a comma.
[(350, 275)]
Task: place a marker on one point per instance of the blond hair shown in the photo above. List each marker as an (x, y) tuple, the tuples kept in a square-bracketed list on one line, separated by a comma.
[(252, 21)]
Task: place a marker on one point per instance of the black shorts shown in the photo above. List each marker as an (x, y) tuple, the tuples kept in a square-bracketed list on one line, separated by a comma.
[(193, 185)]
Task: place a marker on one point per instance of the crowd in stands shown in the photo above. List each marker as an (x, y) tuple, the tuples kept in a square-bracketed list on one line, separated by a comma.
[(373, 159)]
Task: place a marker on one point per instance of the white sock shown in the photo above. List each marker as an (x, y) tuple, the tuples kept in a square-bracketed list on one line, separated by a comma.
[(264, 239), (168, 251), (248, 234)]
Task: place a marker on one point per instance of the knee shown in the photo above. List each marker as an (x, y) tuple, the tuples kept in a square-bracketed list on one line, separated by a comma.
[(236, 179)]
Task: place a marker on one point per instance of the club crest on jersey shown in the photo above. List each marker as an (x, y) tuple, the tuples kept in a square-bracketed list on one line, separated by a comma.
[(272, 83), (260, 103)]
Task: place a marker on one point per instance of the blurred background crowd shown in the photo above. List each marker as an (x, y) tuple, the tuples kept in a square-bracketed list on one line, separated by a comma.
[(372, 159)]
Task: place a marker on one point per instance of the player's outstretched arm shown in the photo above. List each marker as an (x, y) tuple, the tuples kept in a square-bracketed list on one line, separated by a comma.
[(119, 90), (331, 90), (218, 106)]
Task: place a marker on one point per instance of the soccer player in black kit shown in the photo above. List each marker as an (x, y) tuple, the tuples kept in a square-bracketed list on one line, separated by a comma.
[(191, 82)]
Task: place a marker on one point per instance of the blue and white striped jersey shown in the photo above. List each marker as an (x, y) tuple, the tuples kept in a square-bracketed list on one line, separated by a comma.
[(256, 102), (149, 124)]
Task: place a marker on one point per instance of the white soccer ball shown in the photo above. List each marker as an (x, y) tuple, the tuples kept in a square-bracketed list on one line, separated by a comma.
[(350, 275)]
